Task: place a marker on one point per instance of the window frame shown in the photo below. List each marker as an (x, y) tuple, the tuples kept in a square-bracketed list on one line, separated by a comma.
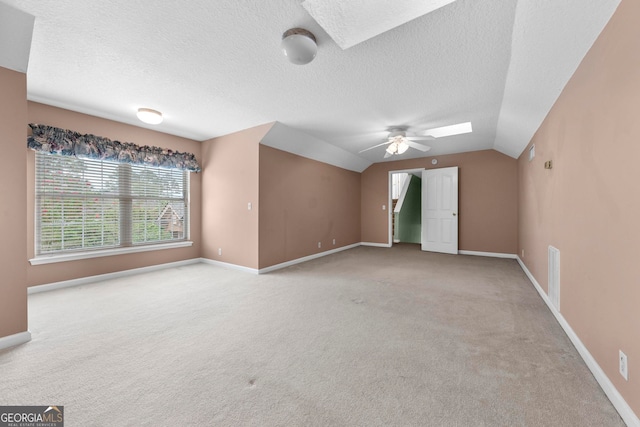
[(125, 224)]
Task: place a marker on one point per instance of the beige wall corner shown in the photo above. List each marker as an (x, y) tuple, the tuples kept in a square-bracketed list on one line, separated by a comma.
[(487, 199), (587, 206), (13, 193), (51, 273), (305, 204), (229, 185)]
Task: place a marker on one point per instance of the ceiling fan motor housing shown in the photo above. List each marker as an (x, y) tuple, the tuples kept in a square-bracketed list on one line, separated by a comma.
[(397, 132)]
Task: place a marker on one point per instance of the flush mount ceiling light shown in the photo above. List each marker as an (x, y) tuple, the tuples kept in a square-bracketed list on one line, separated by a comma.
[(299, 46), (149, 116)]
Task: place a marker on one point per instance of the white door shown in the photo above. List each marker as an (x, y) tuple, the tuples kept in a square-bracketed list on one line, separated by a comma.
[(440, 210)]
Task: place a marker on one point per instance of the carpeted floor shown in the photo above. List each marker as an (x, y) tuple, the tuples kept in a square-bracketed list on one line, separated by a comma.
[(365, 337)]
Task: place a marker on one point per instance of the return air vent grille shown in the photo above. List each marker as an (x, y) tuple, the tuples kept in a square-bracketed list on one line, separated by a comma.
[(554, 277)]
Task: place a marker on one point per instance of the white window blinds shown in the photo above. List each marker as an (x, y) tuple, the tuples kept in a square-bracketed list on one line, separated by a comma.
[(86, 204)]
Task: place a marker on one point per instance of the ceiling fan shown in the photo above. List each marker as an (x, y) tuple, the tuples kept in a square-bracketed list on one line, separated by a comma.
[(399, 141)]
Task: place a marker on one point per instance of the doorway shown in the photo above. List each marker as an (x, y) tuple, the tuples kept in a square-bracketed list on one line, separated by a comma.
[(423, 208), (405, 206)]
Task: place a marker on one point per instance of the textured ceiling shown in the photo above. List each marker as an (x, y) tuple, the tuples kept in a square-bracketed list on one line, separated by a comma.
[(352, 22), (214, 68)]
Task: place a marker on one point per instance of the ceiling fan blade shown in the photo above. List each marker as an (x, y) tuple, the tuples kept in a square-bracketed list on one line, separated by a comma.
[(387, 154), (375, 146), (420, 138), (417, 146)]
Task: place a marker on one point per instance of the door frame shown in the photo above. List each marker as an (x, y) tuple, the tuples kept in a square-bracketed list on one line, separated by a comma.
[(390, 201)]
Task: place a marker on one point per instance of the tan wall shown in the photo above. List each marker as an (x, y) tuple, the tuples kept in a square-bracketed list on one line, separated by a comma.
[(587, 205), (488, 199), (50, 273), (303, 202), (229, 183), (13, 193)]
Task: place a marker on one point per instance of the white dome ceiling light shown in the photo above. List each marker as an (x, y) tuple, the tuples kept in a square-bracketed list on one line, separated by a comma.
[(299, 46), (149, 116)]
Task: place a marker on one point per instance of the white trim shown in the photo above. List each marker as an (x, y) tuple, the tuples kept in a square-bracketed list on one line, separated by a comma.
[(100, 277), (377, 245), (49, 259), (623, 408), (229, 265), (306, 258), (489, 254), (15, 339)]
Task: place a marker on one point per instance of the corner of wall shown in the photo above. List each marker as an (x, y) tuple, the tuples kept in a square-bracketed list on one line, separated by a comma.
[(230, 197), (13, 250)]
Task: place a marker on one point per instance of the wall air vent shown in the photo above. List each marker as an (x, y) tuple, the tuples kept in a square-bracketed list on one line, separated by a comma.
[(554, 277)]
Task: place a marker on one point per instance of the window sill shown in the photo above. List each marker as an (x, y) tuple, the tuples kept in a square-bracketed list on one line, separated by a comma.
[(50, 259)]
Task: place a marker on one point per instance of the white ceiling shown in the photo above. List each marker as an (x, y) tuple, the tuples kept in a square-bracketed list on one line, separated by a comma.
[(351, 22), (215, 67)]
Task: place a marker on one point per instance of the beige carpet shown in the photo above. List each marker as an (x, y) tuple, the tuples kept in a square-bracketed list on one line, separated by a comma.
[(366, 337)]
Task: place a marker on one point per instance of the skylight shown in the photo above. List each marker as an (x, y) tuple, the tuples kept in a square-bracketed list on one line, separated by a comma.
[(450, 130), (352, 22)]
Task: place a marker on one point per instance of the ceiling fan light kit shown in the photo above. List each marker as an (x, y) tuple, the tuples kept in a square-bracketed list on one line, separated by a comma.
[(398, 146), (402, 147), (299, 46)]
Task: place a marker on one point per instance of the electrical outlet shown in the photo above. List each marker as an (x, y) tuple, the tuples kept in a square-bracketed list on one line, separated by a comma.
[(249, 206), (219, 251), (624, 367), (384, 207), (334, 241), (319, 245)]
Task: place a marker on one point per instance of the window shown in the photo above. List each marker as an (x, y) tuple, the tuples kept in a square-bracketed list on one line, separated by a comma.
[(86, 204)]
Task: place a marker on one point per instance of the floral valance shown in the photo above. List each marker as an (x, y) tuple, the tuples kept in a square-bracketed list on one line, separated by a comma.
[(54, 140)]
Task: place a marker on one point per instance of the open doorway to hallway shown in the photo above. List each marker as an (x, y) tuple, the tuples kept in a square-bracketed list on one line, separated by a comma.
[(405, 214)]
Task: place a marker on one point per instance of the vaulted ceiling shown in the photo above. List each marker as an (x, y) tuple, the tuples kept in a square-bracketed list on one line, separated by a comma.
[(215, 67)]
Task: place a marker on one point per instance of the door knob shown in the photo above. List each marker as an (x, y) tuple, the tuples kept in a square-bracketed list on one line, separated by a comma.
[(454, 214)]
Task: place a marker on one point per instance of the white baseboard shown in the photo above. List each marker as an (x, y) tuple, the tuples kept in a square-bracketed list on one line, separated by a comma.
[(306, 258), (623, 408), (377, 245), (489, 254), (229, 265), (107, 276), (15, 339), (124, 273), (276, 266)]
